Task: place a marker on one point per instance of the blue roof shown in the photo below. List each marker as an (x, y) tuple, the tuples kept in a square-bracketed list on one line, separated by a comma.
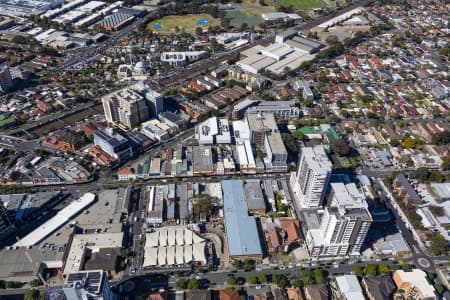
[(242, 233)]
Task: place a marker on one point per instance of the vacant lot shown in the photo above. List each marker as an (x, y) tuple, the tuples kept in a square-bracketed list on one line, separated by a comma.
[(188, 23), (301, 4)]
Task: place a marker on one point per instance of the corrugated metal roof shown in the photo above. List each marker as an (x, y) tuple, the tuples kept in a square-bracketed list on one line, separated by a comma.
[(242, 233)]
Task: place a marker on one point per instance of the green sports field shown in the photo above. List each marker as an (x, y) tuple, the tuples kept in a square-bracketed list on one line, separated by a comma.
[(186, 23), (301, 4)]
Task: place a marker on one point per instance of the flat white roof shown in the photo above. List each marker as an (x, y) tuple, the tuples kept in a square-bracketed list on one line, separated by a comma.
[(57, 221)]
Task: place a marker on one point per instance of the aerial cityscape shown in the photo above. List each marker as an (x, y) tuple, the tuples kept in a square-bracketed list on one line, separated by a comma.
[(224, 150)]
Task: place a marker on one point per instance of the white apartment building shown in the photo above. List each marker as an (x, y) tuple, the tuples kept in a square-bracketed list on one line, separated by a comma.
[(312, 177), (343, 225)]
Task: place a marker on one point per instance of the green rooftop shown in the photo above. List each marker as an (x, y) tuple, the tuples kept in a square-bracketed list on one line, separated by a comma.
[(332, 135), (309, 130), (6, 120)]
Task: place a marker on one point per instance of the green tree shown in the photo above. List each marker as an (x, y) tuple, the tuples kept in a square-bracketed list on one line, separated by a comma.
[(231, 280), (358, 271), (282, 283), (383, 269), (193, 284), (181, 284), (441, 138), (31, 294), (421, 174), (253, 280), (318, 276), (289, 142), (297, 283), (439, 288), (248, 265), (371, 270), (438, 244), (307, 277), (198, 31), (340, 147), (409, 143), (202, 117), (298, 135), (446, 163), (262, 278)]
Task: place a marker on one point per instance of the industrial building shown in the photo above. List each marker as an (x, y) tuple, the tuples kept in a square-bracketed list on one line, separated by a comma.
[(116, 21), (241, 229), (25, 8), (287, 53), (155, 206), (343, 225), (312, 176), (125, 107), (114, 144), (170, 246), (213, 131)]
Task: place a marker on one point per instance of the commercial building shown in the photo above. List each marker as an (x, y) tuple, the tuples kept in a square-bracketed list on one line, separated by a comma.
[(182, 58), (349, 288), (6, 226), (312, 177), (6, 83), (84, 245), (241, 229), (281, 109), (114, 144), (87, 285), (254, 196), (343, 226), (126, 107), (170, 246), (157, 130), (415, 284), (61, 218), (213, 131), (202, 157)]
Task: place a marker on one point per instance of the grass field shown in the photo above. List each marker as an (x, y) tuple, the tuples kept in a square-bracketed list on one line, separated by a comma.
[(301, 4), (237, 17), (188, 23)]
